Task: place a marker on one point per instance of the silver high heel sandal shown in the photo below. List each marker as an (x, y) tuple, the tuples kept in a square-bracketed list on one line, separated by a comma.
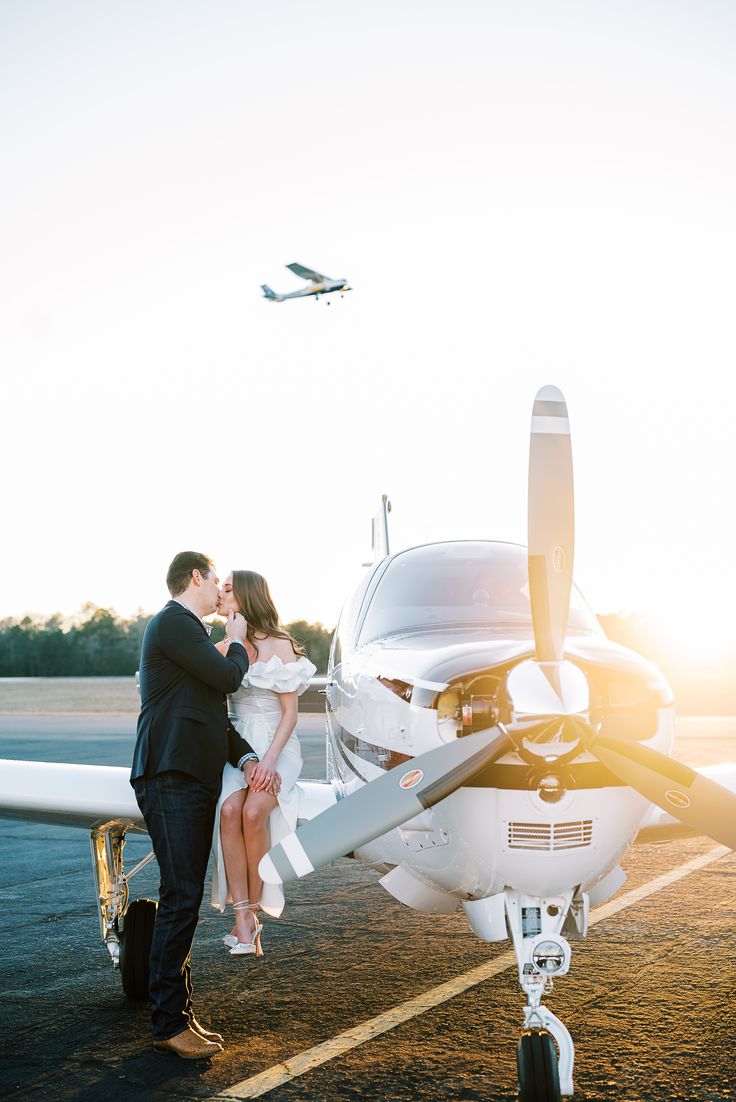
[(230, 940), (252, 947)]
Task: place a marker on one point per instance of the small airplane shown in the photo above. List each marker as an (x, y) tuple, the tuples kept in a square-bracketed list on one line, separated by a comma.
[(318, 285), (487, 748)]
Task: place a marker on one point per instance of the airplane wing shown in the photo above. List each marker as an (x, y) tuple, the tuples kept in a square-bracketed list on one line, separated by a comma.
[(661, 827), (68, 795), (89, 795), (307, 273), (315, 797)]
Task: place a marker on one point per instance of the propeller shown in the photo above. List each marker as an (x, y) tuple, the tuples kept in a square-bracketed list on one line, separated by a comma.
[(407, 790), (700, 803), (384, 803), (551, 529)]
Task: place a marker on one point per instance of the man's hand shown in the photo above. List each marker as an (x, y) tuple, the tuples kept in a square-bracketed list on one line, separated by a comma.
[(236, 627), (248, 772)]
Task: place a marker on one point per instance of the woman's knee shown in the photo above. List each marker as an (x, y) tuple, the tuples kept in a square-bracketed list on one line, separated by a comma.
[(230, 814), (254, 814)]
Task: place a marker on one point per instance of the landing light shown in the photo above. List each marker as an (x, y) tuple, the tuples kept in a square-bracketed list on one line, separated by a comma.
[(548, 957)]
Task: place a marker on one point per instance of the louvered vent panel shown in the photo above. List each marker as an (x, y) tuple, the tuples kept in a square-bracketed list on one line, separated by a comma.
[(530, 836), (551, 837), (572, 835)]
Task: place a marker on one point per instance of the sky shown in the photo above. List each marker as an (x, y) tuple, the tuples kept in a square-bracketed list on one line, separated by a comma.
[(519, 193)]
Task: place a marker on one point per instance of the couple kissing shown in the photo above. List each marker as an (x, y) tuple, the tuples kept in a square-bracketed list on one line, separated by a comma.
[(213, 777)]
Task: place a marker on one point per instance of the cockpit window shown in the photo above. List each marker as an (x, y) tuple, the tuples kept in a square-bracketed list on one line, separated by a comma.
[(460, 585)]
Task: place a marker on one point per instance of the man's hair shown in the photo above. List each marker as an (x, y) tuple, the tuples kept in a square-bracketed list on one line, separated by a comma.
[(179, 573)]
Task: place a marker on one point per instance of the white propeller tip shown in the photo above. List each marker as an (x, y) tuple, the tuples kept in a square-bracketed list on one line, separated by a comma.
[(549, 414), (268, 872), (549, 394)]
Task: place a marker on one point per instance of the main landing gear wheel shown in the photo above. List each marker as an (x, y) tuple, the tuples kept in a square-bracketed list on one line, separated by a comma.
[(536, 1059), (135, 947)]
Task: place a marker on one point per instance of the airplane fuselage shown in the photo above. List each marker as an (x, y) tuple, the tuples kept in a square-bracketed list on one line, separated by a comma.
[(540, 825), (316, 289)]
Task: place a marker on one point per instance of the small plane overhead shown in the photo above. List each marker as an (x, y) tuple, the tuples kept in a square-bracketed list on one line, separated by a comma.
[(318, 285), (488, 748)]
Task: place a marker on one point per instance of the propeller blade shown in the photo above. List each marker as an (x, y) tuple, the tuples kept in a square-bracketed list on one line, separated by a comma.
[(551, 522), (381, 805), (701, 804)]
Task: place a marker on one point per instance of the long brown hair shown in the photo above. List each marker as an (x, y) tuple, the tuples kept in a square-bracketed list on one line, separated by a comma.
[(256, 604)]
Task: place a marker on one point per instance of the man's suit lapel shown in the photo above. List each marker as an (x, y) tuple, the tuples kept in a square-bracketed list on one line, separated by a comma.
[(176, 605)]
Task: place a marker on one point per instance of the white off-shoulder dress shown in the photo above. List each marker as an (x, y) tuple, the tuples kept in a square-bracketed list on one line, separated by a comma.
[(255, 713)]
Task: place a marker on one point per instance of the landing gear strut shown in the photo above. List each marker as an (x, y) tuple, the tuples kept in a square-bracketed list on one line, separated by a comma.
[(125, 927), (545, 1053)]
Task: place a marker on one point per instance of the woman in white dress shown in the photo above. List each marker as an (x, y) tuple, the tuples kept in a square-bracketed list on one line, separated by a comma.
[(264, 710)]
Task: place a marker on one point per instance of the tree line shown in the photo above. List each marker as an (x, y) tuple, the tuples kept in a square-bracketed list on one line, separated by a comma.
[(99, 643)]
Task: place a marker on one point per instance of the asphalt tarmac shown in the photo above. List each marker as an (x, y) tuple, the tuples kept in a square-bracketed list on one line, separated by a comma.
[(648, 999)]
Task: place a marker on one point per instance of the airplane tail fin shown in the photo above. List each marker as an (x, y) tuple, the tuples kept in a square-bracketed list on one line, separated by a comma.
[(268, 293)]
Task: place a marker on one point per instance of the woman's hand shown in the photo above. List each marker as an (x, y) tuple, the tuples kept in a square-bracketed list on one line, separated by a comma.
[(264, 778)]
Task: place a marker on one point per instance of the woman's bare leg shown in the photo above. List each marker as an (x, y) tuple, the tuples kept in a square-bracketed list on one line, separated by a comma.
[(256, 809), (233, 853)]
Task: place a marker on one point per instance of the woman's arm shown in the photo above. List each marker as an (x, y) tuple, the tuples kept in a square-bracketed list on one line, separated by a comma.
[(289, 704), (264, 770)]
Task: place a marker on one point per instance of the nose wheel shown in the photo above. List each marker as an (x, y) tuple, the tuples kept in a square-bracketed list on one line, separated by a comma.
[(536, 1061)]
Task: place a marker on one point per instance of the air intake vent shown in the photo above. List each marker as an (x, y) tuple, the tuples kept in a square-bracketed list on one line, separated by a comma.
[(550, 837)]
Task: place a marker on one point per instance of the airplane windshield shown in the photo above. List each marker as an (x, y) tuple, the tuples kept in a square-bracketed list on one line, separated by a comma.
[(459, 585)]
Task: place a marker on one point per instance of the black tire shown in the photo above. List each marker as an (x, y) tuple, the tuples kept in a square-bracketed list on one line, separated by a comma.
[(135, 947), (536, 1059)]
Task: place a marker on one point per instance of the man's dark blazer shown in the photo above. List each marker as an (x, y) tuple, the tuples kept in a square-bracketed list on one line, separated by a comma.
[(183, 723)]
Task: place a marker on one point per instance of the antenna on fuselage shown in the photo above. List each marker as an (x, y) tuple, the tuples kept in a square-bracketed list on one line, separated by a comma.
[(379, 532)]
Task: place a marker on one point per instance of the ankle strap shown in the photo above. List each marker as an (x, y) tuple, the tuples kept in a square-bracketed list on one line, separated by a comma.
[(243, 905)]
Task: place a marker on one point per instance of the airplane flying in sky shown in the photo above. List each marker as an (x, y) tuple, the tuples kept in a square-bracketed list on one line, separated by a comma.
[(318, 285), (488, 748)]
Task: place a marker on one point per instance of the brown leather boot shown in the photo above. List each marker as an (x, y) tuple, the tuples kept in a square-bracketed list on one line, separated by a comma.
[(189, 1045), (208, 1034)]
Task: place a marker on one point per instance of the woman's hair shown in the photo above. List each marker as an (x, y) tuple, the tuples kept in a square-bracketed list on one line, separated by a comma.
[(256, 604)]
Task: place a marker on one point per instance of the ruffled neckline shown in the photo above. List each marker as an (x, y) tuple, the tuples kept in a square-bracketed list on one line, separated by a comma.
[(280, 676), (280, 662)]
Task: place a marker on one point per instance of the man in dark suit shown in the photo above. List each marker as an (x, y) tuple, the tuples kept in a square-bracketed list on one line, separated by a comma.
[(184, 739)]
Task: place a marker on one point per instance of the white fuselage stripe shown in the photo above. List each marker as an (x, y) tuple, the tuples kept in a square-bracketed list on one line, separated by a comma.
[(294, 1066), (550, 425), (296, 853)]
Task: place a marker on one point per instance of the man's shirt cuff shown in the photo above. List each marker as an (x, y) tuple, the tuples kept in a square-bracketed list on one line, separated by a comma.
[(247, 757)]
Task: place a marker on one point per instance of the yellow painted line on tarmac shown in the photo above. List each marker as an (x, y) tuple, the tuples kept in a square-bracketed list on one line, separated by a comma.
[(311, 1058)]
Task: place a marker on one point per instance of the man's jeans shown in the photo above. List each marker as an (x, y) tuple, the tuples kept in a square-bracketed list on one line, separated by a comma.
[(180, 814)]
